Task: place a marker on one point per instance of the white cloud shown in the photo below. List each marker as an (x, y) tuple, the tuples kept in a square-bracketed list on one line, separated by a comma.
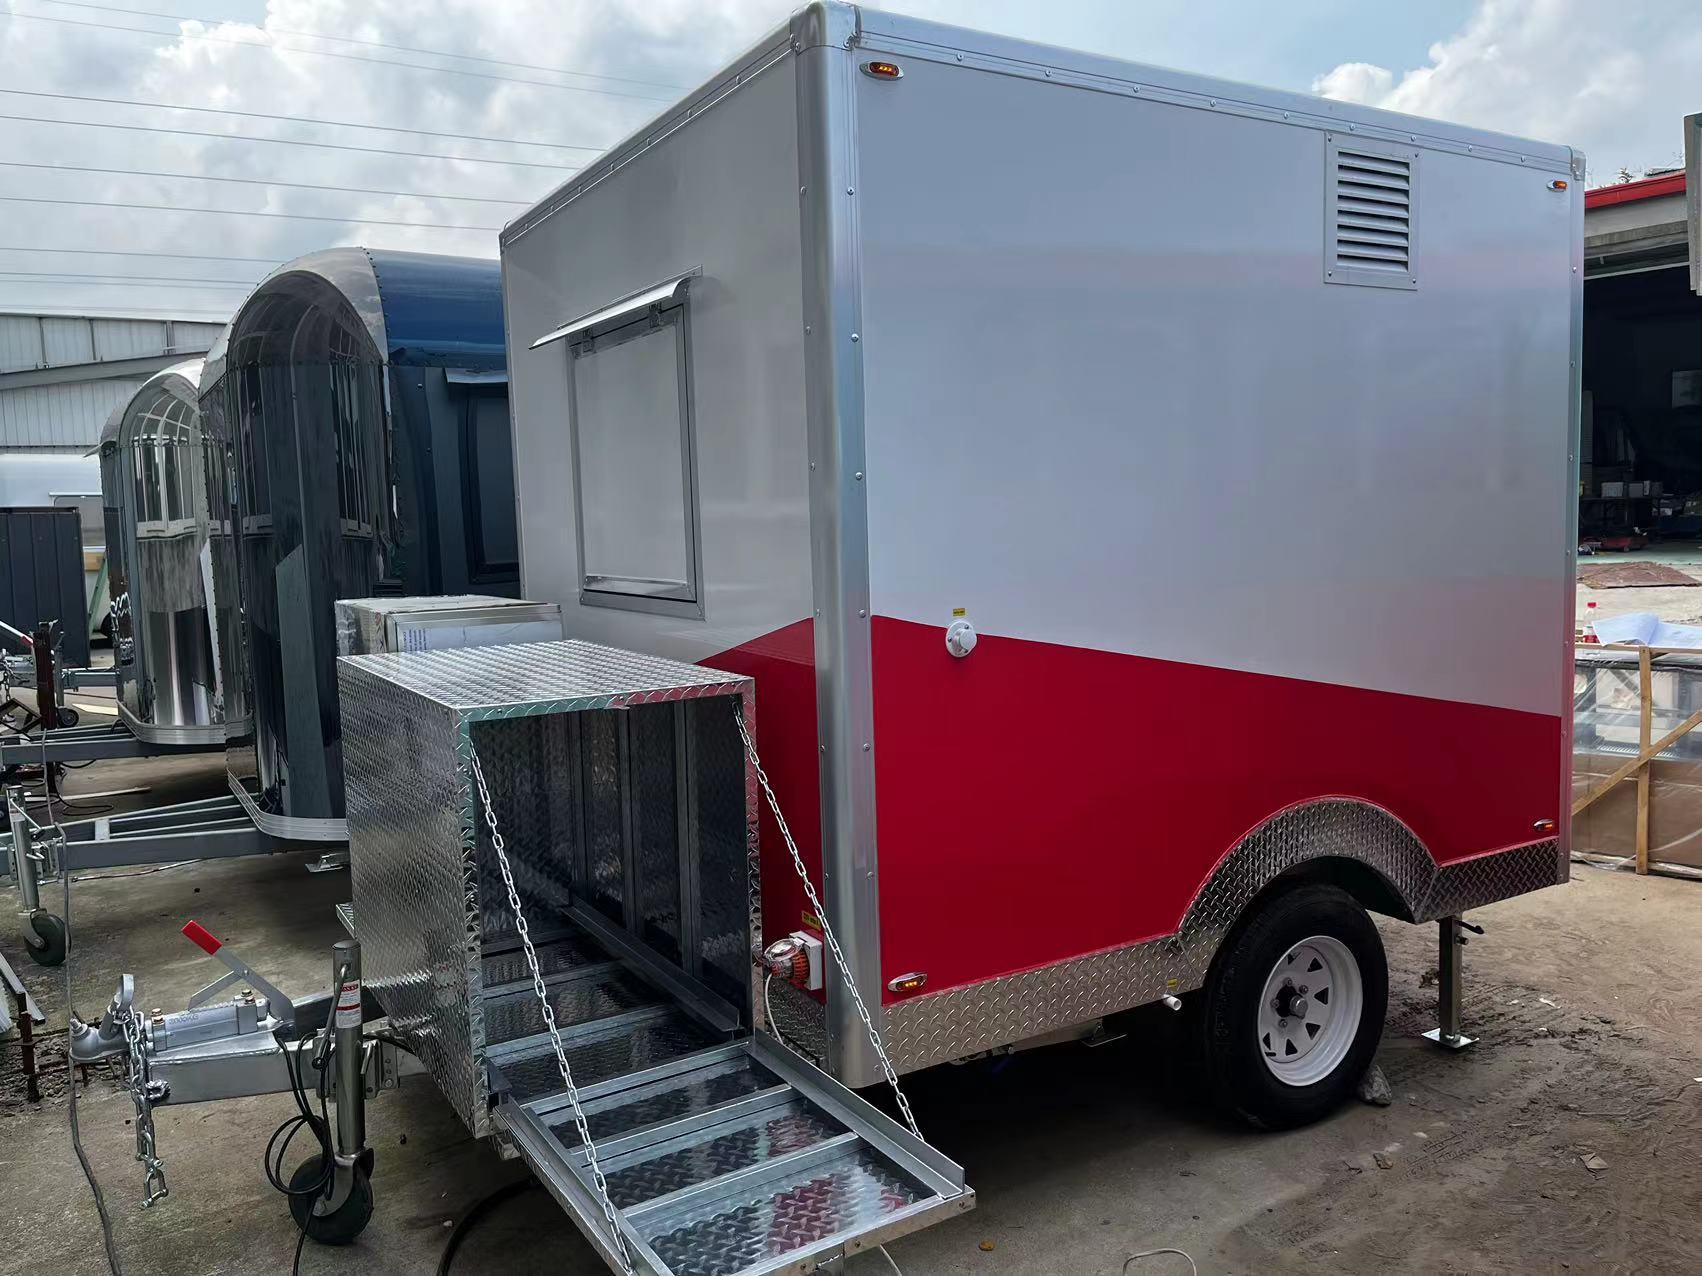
[(648, 51), (1613, 80)]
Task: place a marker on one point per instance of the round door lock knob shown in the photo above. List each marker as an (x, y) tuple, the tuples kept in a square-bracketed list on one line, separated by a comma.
[(960, 638)]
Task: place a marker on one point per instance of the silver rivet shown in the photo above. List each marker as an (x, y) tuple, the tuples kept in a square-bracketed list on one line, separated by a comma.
[(850, 190), (865, 746), (862, 613), (859, 476), (803, 190), (855, 337), (812, 465), (1048, 75)]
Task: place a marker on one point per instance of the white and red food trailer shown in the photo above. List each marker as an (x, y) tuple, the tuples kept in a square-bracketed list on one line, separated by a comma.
[(1144, 504)]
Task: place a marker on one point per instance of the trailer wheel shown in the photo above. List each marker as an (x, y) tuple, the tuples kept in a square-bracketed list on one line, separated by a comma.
[(1294, 1008), (341, 1225), (44, 939), (68, 717)]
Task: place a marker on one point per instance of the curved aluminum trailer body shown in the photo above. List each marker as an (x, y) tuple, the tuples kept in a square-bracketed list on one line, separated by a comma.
[(360, 398), (166, 549)]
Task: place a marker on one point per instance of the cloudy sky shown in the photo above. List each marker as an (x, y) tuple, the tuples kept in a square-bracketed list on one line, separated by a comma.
[(426, 124)]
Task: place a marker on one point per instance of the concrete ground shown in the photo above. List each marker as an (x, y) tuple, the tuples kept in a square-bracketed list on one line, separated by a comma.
[(1584, 997), (1680, 604)]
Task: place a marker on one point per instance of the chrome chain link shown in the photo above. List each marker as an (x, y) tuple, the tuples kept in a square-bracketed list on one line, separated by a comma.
[(549, 1015), (826, 930), (143, 1091)]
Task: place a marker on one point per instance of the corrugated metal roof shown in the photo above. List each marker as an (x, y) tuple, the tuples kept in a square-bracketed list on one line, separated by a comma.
[(29, 342), (60, 416)]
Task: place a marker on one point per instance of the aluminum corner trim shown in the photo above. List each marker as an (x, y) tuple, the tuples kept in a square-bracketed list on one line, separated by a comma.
[(1569, 545), (839, 533), (827, 24)]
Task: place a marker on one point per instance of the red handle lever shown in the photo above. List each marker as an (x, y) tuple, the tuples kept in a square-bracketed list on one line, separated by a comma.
[(202, 938)]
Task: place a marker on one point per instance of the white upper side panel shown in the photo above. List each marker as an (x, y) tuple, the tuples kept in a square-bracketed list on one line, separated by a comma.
[(896, 33), (1112, 402), (719, 194)]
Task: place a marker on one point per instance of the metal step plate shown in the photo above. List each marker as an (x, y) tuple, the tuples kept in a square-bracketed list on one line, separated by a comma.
[(630, 1048), (733, 1160)]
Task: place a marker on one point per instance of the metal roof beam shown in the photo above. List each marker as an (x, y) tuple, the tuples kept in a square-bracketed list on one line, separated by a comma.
[(103, 370)]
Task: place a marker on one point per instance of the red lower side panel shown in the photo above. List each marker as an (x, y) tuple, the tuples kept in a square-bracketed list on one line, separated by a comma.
[(783, 665), (1037, 802)]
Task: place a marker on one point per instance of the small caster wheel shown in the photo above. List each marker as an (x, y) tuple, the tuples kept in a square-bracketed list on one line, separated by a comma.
[(45, 938), (68, 717), (341, 1225)]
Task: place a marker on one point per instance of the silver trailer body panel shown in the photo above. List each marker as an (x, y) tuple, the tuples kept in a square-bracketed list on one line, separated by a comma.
[(1069, 327)]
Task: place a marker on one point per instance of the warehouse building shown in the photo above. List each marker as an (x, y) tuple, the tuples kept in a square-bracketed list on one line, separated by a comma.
[(1641, 447), (61, 376)]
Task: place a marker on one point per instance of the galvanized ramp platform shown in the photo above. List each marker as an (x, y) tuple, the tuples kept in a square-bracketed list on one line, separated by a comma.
[(722, 1157)]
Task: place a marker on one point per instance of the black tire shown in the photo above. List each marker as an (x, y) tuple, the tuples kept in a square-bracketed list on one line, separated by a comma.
[(342, 1224), (68, 717), (45, 938), (1233, 1066)]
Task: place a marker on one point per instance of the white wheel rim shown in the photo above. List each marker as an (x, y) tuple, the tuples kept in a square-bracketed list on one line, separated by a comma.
[(1310, 1011)]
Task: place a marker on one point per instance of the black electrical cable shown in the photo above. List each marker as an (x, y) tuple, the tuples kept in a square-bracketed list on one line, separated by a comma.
[(468, 1220), (392, 1040), (272, 1161), (112, 1260)]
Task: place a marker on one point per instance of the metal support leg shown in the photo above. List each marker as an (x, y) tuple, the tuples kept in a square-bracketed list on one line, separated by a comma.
[(46, 698), (1450, 942), (23, 851), (346, 1022)]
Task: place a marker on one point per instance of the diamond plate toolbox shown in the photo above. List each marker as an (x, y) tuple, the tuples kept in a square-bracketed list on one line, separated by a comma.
[(432, 912)]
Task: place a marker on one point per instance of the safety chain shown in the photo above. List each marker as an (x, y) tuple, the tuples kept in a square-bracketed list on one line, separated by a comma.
[(143, 1091), (826, 931), (549, 1016)]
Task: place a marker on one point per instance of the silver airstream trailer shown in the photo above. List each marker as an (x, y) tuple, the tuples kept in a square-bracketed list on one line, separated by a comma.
[(164, 544)]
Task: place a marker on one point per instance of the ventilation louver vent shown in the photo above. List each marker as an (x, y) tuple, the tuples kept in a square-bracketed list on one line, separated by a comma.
[(1371, 205)]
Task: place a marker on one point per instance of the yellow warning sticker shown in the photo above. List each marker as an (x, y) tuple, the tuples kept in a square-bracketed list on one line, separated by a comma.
[(1171, 985), (811, 920), (958, 613)]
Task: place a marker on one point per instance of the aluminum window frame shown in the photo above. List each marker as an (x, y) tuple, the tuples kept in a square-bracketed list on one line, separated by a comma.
[(597, 590)]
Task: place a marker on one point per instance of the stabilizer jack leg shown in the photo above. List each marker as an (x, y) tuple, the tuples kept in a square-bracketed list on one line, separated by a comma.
[(1449, 945)]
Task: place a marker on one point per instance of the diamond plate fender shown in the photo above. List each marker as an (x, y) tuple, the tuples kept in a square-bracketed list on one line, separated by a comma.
[(960, 1021)]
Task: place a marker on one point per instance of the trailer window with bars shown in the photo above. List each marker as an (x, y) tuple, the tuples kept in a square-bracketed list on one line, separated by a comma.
[(1370, 214), (634, 476)]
